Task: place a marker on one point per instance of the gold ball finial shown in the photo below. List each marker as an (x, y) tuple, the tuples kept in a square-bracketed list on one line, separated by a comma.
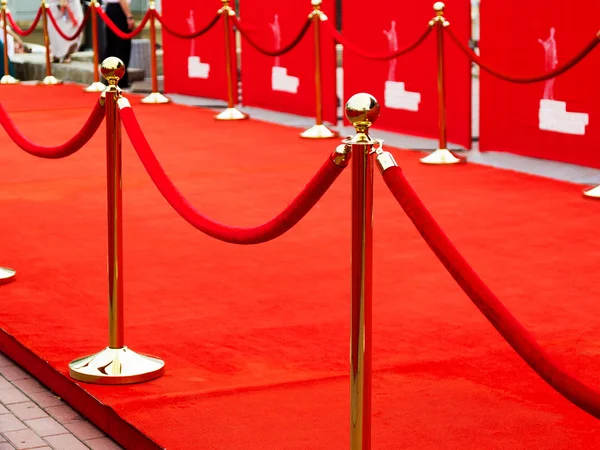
[(4, 3), (316, 3), (362, 110), (439, 7), (113, 69)]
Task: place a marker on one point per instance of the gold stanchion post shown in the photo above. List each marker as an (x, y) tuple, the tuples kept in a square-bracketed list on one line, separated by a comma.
[(49, 80), (318, 131), (96, 86), (155, 97), (442, 155), (362, 110), (116, 364), (231, 113), (6, 78)]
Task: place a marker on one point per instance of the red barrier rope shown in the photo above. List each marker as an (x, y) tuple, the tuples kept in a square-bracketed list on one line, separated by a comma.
[(193, 35), (505, 323), (79, 29), (311, 194), (20, 31), (60, 151), (338, 37), (110, 24), (553, 73), (277, 52)]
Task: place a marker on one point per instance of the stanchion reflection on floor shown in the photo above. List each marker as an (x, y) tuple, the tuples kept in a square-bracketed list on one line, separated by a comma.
[(116, 364), (442, 155), (7, 78)]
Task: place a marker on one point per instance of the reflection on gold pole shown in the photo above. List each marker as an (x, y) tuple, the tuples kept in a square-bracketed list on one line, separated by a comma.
[(362, 110), (318, 131), (442, 155), (7, 78), (49, 80), (7, 275), (116, 364), (155, 97), (96, 86), (231, 113)]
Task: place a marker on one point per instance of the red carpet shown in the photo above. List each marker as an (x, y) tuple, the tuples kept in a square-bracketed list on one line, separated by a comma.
[(256, 338)]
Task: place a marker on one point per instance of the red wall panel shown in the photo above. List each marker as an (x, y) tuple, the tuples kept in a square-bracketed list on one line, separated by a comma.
[(555, 119)]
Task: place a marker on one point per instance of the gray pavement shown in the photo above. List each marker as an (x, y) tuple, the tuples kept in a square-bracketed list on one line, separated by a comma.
[(32, 417)]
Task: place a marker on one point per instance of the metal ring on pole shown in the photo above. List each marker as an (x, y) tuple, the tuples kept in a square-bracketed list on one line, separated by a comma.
[(362, 110), (116, 364), (442, 155), (318, 131), (231, 113)]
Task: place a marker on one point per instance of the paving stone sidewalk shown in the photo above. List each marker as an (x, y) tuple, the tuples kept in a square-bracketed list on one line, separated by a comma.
[(32, 417)]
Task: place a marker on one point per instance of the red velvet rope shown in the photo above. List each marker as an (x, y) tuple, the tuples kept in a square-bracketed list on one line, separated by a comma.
[(77, 32), (492, 308), (311, 194), (193, 35), (524, 80), (110, 24), (29, 30), (338, 37), (280, 51), (60, 151)]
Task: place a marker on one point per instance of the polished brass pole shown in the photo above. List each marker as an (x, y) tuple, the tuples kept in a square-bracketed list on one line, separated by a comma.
[(116, 364), (231, 113), (442, 155), (96, 86), (7, 78), (318, 131), (362, 111), (155, 97), (49, 80)]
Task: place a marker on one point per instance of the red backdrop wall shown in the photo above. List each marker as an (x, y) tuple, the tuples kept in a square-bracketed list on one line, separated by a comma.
[(194, 66), (286, 83), (511, 114), (365, 28)]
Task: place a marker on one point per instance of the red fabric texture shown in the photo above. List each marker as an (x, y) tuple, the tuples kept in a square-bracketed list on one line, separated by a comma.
[(492, 308), (283, 222), (29, 30), (193, 35), (79, 29), (259, 70), (181, 59), (269, 51), (417, 69), (339, 37), (133, 33), (74, 144), (524, 80), (256, 338), (510, 113)]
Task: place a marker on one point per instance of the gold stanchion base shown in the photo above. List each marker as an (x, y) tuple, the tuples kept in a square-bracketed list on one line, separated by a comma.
[(155, 98), (319, 132), (8, 79), (7, 275), (441, 156), (95, 87), (50, 81), (116, 366), (231, 114), (593, 193)]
